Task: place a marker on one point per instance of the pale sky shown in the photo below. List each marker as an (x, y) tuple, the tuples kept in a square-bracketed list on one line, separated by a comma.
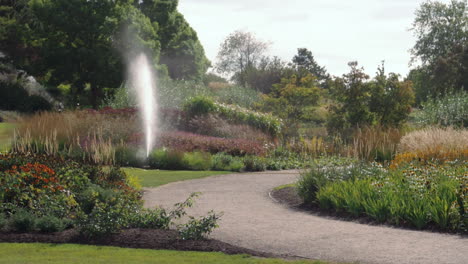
[(336, 31)]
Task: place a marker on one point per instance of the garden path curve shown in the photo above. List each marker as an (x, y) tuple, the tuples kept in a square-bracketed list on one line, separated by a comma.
[(253, 220)]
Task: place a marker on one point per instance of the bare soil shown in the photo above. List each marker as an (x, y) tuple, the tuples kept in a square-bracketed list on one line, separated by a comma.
[(133, 238)]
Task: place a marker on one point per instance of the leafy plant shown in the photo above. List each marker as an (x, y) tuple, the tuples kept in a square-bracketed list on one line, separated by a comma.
[(196, 229), (254, 163), (23, 221), (50, 224), (197, 160), (225, 162)]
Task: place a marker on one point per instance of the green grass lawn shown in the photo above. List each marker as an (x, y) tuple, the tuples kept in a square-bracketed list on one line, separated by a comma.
[(6, 135), (155, 178), (12, 253)]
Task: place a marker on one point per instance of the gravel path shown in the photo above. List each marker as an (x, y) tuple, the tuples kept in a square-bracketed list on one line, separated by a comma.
[(253, 220)]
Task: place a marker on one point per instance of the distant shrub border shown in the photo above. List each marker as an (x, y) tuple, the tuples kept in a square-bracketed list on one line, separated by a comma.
[(265, 122)]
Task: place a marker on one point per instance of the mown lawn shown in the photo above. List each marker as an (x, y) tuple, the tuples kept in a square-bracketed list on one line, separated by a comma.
[(12, 253), (155, 178), (6, 135)]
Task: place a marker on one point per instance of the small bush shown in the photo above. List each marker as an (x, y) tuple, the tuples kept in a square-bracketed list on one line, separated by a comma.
[(225, 162), (197, 161), (50, 224), (23, 221), (450, 110), (253, 163), (3, 220), (188, 142), (236, 114), (200, 105), (151, 218), (166, 159), (129, 156), (196, 229)]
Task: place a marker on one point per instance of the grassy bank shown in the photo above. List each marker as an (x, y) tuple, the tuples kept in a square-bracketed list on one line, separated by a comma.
[(155, 178), (64, 254)]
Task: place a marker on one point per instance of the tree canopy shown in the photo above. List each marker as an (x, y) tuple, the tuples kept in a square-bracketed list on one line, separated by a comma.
[(441, 31), (80, 42)]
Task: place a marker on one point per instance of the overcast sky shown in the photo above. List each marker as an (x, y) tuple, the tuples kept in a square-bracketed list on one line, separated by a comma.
[(336, 31)]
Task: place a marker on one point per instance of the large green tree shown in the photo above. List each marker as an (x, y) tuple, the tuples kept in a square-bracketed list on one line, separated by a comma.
[(304, 63), (79, 43), (391, 99), (181, 50), (239, 52), (292, 99), (441, 32)]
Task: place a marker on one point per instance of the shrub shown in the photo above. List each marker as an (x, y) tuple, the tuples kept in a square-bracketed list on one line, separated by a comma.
[(15, 97), (195, 229), (129, 156), (254, 163), (188, 142), (414, 194), (200, 105), (106, 217), (226, 162), (151, 218), (265, 122), (197, 160), (166, 159), (50, 224), (450, 110), (3, 220), (23, 221)]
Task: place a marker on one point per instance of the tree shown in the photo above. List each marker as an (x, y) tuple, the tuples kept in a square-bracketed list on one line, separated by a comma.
[(304, 63), (268, 72), (352, 94), (239, 52), (82, 50), (439, 28), (181, 50), (391, 99), (442, 47), (292, 99)]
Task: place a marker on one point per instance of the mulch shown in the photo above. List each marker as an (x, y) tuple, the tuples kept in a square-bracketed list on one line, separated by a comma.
[(132, 238)]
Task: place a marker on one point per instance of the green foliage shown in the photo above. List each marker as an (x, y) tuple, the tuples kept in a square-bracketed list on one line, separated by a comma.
[(255, 163), (265, 122), (166, 159), (50, 224), (414, 195), (197, 160), (237, 95), (353, 95), (262, 76), (196, 229), (23, 221), (441, 46), (385, 100), (39, 34), (391, 99), (200, 105), (238, 52), (3, 221), (151, 219), (292, 98), (304, 63), (106, 217), (16, 98), (449, 110), (226, 162), (129, 156)]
